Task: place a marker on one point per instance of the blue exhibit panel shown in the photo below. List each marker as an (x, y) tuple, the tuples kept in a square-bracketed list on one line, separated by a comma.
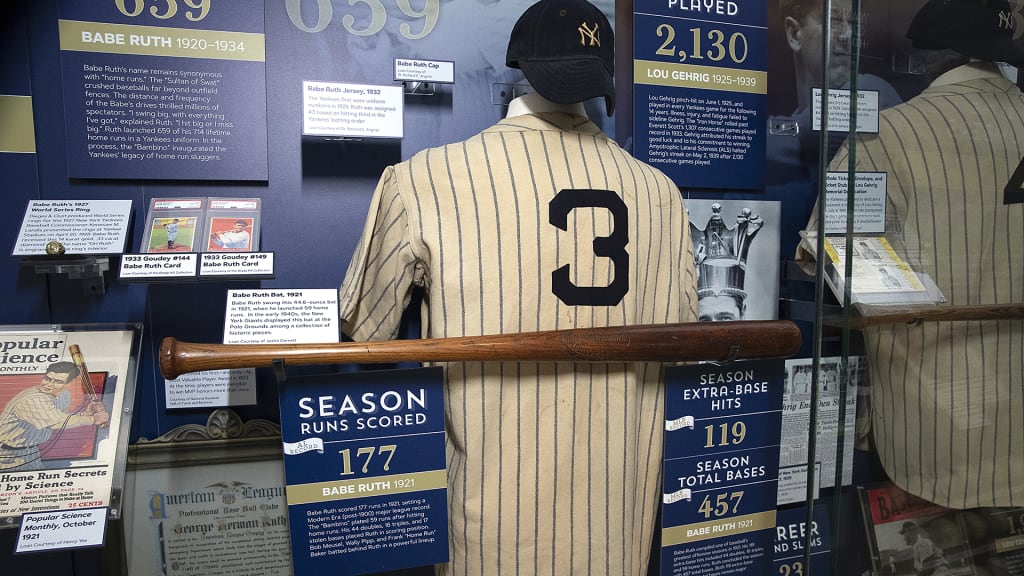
[(710, 436), (747, 478), (165, 92), (738, 543), (722, 431), (711, 409), (792, 534), (700, 75), (365, 470)]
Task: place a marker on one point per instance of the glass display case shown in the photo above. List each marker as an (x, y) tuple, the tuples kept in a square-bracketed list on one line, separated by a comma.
[(915, 250), (869, 186)]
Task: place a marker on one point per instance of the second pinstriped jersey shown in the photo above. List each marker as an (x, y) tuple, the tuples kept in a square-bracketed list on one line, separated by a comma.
[(948, 397), (540, 222)]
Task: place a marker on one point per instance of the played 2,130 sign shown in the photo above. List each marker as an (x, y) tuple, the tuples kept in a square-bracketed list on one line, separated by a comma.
[(700, 74)]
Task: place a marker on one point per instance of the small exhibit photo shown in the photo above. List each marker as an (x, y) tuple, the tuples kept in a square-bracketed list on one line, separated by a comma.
[(230, 234), (172, 234), (910, 536), (736, 251)]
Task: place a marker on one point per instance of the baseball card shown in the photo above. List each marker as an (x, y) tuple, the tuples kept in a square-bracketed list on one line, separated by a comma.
[(232, 225), (171, 225)]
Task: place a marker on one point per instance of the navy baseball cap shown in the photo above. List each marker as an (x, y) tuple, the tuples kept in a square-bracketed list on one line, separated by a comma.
[(982, 29), (566, 50)]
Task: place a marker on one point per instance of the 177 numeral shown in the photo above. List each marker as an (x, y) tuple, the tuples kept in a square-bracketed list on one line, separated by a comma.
[(368, 452)]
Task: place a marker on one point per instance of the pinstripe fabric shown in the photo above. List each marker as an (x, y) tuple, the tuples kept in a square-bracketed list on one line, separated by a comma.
[(552, 468), (948, 397)]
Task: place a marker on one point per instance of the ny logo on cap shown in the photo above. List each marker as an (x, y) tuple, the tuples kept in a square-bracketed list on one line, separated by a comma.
[(593, 34), (1005, 20)]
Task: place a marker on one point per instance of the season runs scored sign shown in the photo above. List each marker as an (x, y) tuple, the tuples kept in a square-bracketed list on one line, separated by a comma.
[(365, 468)]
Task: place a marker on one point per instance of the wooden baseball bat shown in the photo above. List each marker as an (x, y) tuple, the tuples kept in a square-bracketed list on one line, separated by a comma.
[(682, 342), (83, 374), (870, 315)]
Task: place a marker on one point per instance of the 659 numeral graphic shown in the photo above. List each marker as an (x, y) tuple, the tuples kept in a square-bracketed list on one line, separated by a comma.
[(164, 9), (368, 452), (719, 47), (324, 14)]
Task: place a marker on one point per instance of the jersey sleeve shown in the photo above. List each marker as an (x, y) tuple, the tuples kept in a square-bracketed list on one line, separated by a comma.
[(381, 275)]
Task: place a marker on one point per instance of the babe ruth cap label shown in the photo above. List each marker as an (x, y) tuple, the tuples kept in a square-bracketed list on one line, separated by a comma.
[(566, 50), (982, 29)]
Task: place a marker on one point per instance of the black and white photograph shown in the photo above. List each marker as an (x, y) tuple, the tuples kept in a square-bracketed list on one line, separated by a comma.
[(736, 250)]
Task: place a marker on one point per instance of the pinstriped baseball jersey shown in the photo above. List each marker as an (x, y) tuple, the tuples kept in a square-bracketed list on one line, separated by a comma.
[(540, 222), (28, 420), (948, 397)]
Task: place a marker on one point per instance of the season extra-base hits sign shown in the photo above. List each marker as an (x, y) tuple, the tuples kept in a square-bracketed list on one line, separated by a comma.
[(722, 431), (700, 75), (364, 457)]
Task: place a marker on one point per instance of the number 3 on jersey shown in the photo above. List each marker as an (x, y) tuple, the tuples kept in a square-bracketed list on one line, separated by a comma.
[(612, 247)]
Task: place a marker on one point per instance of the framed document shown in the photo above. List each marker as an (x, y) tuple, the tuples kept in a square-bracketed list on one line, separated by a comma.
[(208, 500)]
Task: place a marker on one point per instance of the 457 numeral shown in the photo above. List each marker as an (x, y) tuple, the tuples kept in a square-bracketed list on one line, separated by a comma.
[(727, 503), (368, 452)]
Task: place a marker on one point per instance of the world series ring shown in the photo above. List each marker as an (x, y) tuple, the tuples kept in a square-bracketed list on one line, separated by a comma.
[(54, 248)]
